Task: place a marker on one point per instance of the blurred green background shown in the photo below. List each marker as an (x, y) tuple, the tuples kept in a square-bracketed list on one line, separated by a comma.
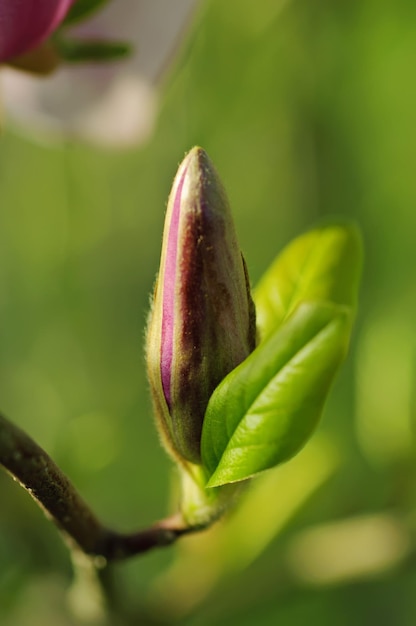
[(308, 109)]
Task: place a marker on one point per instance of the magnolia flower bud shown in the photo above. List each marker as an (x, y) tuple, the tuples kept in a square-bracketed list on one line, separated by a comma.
[(202, 323)]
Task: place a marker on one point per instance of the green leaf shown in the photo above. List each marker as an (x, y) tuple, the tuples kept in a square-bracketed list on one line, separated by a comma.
[(78, 51), (323, 264), (81, 9), (266, 409)]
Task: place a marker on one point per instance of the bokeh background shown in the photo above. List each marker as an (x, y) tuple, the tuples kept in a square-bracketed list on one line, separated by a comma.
[(308, 110)]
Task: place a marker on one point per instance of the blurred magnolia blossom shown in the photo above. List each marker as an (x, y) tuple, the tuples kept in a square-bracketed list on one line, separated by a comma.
[(24, 25), (113, 103)]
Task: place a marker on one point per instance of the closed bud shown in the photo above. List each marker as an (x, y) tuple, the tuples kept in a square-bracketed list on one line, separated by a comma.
[(202, 322)]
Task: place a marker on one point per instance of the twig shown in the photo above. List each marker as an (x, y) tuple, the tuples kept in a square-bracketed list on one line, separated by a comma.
[(29, 464)]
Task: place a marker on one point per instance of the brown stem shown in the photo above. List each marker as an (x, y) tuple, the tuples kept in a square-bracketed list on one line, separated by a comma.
[(52, 490)]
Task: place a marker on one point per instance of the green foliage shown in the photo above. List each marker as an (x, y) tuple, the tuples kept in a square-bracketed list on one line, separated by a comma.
[(82, 9), (79, 51), (266, 409), (323, 264)]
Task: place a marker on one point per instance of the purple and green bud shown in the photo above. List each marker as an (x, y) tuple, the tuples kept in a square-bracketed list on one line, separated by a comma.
[(202, 323)]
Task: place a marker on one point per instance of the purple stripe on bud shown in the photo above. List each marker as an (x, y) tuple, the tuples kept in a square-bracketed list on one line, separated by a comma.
[(169, 294)]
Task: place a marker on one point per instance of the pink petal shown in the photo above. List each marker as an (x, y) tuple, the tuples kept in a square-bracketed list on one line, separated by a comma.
[(25, 23)]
